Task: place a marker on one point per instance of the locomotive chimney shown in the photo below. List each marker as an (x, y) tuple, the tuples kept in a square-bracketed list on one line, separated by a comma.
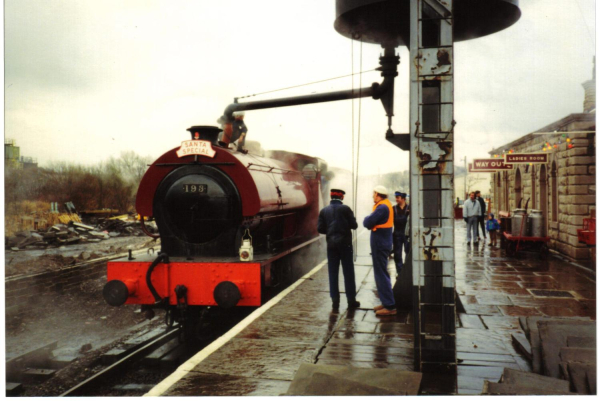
[(205, 133)]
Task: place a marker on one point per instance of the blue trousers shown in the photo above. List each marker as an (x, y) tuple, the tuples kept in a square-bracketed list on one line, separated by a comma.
[(335, 254), (380, 255), (400, 244), (472, 227)]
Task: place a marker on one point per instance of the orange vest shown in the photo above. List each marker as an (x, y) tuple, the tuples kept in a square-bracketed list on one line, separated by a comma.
[(390, 222)]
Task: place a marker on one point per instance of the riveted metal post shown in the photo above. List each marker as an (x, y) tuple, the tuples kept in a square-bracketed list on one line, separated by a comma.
[(432, 186)]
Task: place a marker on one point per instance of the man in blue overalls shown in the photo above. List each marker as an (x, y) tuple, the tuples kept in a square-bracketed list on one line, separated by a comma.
[(401, 213), (381, 223), (336, 221)]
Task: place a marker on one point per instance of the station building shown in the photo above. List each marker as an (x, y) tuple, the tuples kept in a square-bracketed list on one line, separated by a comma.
[(563, 189)]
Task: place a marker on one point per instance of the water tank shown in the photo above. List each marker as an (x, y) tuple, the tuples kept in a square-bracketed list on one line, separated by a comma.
[(386, 22), (517, 223), (537, 223)]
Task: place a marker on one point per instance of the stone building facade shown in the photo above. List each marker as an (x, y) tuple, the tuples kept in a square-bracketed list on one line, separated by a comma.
[(564, 189)]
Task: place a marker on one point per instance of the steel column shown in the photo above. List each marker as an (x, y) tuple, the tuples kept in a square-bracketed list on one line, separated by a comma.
[(432, 185)]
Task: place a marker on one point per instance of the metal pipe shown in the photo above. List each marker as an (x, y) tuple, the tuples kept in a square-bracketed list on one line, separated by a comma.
[(388, 61)]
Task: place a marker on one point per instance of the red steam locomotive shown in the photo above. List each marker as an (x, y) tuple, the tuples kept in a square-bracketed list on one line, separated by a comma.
[(227, 221)]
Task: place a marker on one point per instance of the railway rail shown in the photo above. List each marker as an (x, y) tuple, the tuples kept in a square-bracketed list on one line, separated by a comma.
[(156, 347)]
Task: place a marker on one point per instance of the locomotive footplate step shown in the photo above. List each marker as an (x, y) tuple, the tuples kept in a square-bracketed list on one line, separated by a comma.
[(300, 328)]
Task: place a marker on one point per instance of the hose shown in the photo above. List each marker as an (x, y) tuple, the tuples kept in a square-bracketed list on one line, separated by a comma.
[(161, 257)]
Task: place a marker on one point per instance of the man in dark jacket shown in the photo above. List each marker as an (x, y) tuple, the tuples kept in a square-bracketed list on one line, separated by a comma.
[(336, 221), (401, 213), (481, 219)]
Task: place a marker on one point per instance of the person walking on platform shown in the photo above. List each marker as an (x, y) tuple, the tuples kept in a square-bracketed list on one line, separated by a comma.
[(336, 221), (401, 212), (492, 226), (481, 219), (381, 223), (472, 211)]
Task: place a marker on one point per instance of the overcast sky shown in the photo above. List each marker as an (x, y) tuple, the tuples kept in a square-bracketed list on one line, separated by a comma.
[(88, 79)]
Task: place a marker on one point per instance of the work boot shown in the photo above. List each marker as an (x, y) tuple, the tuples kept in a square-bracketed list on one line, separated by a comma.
[(353, 304), (385, 312), (335, 303), (378, 307)]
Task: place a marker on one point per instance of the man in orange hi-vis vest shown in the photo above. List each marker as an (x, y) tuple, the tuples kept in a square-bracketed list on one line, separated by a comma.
[(381, 224)]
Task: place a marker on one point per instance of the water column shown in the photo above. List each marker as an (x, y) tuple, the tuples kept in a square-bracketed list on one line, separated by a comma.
[(432, 190)]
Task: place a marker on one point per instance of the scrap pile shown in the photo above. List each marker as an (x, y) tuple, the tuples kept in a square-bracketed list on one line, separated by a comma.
[(562, 353), (65, 234)]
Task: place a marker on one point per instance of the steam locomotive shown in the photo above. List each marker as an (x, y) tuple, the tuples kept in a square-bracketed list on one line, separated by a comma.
[(228, 223)]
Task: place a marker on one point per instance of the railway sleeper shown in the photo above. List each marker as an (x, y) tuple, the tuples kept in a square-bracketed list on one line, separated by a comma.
[(129, 346)]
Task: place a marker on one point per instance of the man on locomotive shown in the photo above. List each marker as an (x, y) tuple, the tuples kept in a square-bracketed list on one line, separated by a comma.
[(381, 223), (235, 131), (336, 221)]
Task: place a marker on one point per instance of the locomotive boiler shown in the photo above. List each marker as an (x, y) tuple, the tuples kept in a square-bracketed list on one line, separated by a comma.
[(208, 200)]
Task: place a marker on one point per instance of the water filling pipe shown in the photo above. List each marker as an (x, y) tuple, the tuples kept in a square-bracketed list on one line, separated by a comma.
[(384, 91)]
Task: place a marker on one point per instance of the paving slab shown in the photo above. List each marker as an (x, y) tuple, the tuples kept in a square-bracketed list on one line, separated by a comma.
[(584, 355), (471, 321), (501, 322), (512, 389), (520, 342), (591, 380), (341, 380), (481, 341), (578, 374), (553, 336), (518, 378), (581, 342)]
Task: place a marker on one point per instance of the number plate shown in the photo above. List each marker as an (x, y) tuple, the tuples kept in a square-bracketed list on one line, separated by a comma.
[(195, 188)]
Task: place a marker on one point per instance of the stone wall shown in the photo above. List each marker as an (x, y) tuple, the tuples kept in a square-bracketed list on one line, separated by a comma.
[(572, 171)]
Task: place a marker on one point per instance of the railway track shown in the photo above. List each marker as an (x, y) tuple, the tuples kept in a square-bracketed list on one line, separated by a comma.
[(152, 351), (36, 367), (130, 368)]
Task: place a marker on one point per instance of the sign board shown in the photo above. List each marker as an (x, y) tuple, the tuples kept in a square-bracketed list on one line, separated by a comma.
[(196, 147), (470, 170), (533, 158), (489, 165)]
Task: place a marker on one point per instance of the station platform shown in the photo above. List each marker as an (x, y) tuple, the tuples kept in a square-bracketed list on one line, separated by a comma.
[(262, 355)]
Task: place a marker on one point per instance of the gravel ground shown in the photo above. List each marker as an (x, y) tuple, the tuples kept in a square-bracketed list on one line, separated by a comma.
[(78, 319), (33, 261)]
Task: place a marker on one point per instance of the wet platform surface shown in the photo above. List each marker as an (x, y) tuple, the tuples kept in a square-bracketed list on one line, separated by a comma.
[(302, 328), (493, 292)]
